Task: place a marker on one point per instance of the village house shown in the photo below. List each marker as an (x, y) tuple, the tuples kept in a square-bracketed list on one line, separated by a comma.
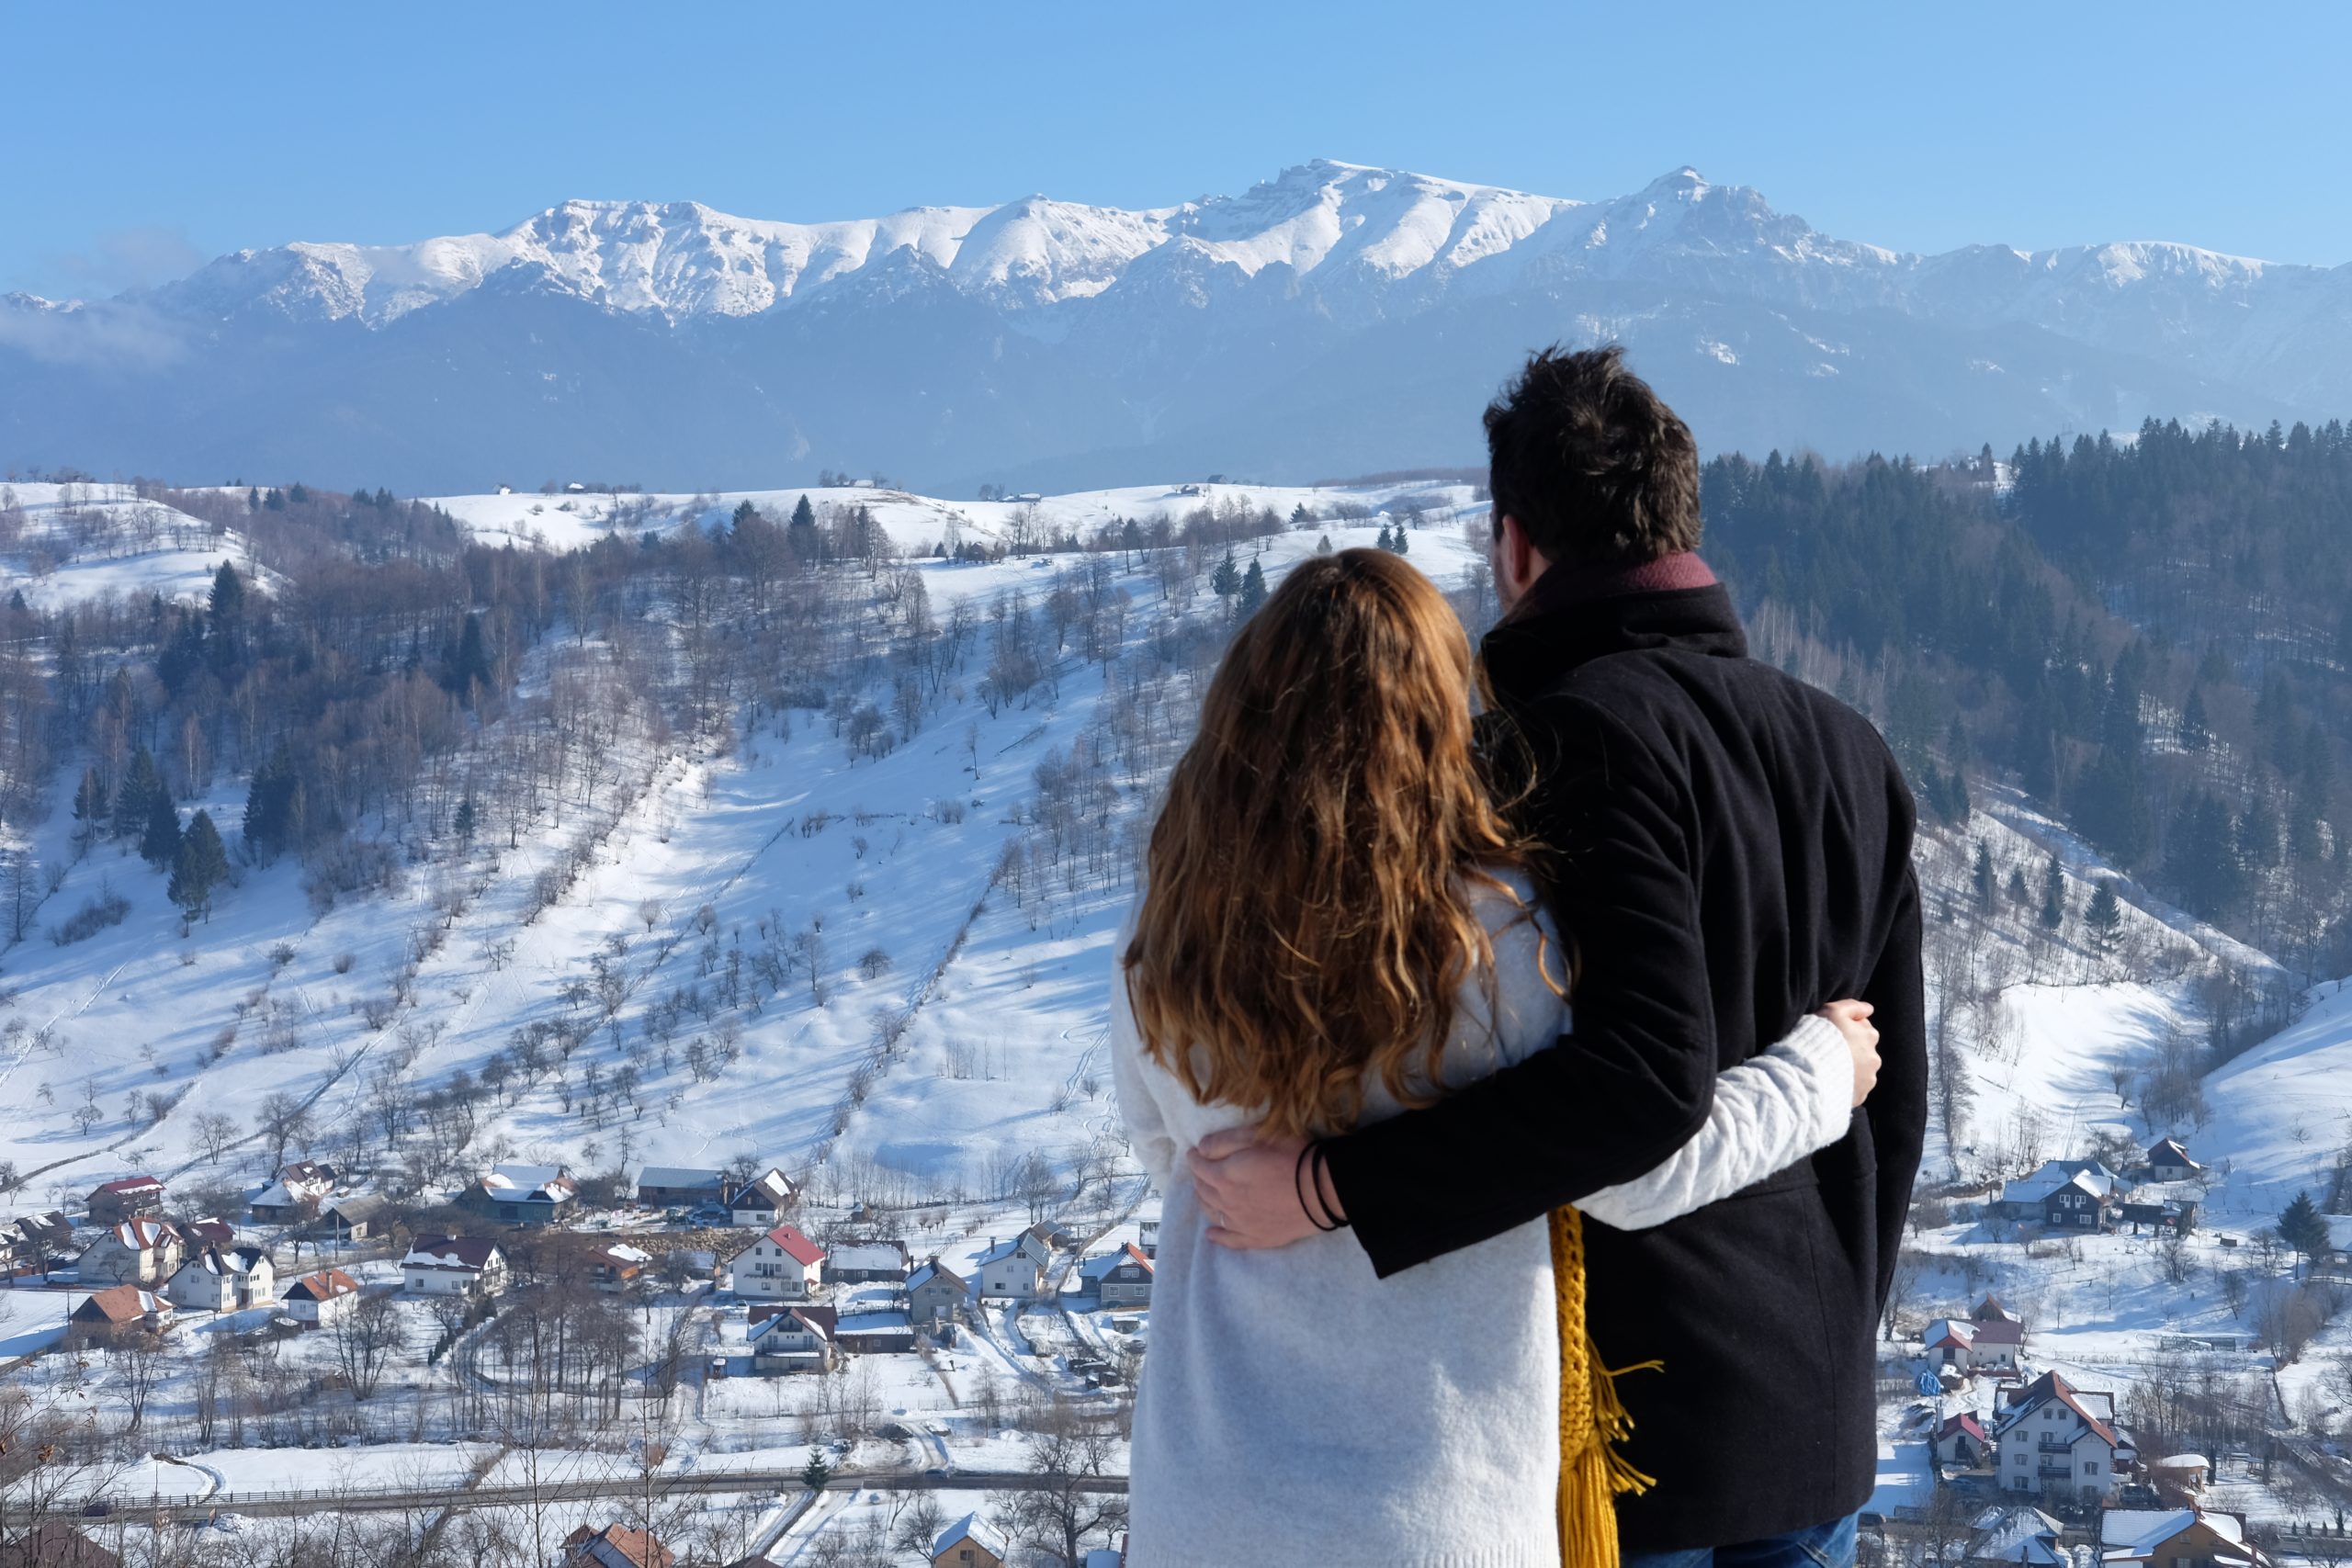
[(793, 1339), (2056, 1439), (209, 1230), (2168, 1161), (782, 1265), (759, 1203), (453, 1266), (1961, 1441), (2339, 1238), (114, 1202), (1991, 1339), (614, 1546), (294, 1197), (617, 1267), (353, 1216), (1121, 1277), (318, 1301), (663, 1186), (118, 1309), (2174, 1537), (219, 1278), (936, 1295), (2026, 1197), (2180, 1480), (2078, 1204), (523, 1194), (970, 1543), (1015, 1270), (882, 1332), (2019, 1535), (142, 1250), (1147, 1236), (53, 1543), (29, 1242), (860, 1262)]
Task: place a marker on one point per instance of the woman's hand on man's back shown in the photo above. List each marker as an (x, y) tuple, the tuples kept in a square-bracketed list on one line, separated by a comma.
[(1853, 1021)]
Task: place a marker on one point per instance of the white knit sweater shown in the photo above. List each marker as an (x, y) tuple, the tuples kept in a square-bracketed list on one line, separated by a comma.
[(1294, 1408)]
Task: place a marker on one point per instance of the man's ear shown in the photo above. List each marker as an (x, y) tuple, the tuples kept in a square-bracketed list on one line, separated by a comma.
[(1518, 563)]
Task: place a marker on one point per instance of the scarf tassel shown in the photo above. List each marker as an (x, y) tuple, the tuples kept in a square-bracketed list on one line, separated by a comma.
[(1593, 1418)]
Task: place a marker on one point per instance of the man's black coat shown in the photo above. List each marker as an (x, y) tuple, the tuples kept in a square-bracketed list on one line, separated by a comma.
[(1729, 851)]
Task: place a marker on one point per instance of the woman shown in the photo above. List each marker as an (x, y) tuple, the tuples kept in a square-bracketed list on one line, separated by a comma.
[(1336, 923)]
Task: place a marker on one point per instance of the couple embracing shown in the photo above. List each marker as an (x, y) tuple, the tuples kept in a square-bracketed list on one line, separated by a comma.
[(1509, 1076)]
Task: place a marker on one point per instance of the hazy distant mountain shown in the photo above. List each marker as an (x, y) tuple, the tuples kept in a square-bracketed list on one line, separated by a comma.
[(1335, 319)]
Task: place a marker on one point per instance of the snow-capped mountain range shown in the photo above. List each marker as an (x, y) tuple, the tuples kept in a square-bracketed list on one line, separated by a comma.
[(1334, 319)]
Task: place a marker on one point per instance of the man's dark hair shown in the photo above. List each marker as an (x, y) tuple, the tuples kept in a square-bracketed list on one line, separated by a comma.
[(1595, 468)]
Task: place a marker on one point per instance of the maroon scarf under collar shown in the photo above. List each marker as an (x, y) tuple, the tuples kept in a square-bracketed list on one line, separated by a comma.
[(1564, 585)]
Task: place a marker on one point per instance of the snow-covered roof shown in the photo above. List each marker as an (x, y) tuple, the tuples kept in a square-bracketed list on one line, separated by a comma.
[(976, 1530), (144, 1234), (228, 1261), (1096, 1267), (129, 1186), (2135, 1532), (121, 1303), (818, 1320), (934, 1269), (679, 1176), (469, 1254), (2339, 1232), (863, 1255), (529, 1184)]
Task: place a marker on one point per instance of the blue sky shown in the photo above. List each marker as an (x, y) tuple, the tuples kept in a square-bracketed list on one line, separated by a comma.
[(137, 140)]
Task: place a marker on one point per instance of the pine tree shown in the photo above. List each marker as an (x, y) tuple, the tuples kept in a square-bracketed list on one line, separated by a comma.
[(2018, 893), (464, 824), (469, 667), (135, 799), (802, 531), (1982, 879), (1300, 517), (91, 809), (2196, 730), (746, 513), (2053, 897), (159, 844), (1226, 579), (2106, 918), (2302, 1226), (816, 1473), (1253, 588), (1323, 545), (202, 866)]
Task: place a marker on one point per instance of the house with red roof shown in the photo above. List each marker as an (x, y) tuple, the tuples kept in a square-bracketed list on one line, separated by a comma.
[(783, 1265), (140, 1250), (1121, 1278), (614, 1546), (1960, 1440), (2051, 1437), (120, 1199), (316, 1300)]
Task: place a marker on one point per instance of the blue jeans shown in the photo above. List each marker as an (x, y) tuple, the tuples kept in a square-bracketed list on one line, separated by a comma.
[(1818, 1546)]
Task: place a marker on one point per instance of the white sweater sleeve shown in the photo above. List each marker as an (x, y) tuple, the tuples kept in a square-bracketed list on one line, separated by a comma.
[(1769, 1112), (1131, 1074)]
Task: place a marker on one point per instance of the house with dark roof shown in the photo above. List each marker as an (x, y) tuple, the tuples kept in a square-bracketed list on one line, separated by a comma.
[(1960, 1440), (660, 1186), (2168, 1161), (523, 1194), (936, 1295), (453, 1266), (1121, 1278), (863, 1262), (763, 1199), (1015, 1270), (2079, 1202), (53, 1543), (2022, 1535), (786, 1338), (29, 1242), (295, 1194), (352, 1216)]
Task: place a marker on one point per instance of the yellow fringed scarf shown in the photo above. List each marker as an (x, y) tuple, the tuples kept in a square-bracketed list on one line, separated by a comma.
[(1593, 1420)]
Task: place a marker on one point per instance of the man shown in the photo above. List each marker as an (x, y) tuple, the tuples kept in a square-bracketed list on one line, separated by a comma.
[(1727, 847)]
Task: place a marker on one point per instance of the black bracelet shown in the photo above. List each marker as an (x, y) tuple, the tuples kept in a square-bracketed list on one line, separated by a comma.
[(1313, 1154)]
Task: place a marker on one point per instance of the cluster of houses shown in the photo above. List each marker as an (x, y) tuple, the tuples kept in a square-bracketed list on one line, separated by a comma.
[(2185, 1536), (970, 1541), (2043, 1435), (2078, 1195)]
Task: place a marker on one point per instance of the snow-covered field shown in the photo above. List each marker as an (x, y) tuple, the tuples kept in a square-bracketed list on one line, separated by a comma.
[(938, 1022)]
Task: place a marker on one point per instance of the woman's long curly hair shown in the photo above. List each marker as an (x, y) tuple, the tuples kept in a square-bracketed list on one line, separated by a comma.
[(1307, 919)]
